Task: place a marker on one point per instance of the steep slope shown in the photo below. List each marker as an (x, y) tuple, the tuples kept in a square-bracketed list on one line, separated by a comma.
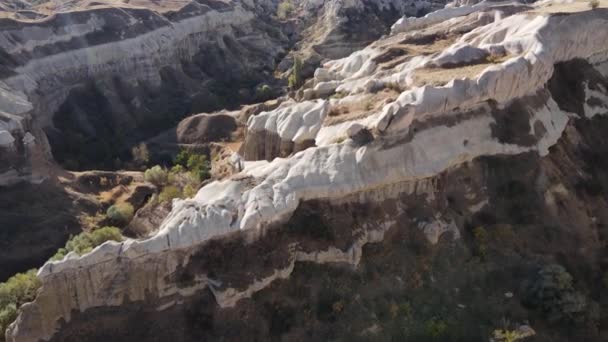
[(441, 127), (81, 82), (100, 76)]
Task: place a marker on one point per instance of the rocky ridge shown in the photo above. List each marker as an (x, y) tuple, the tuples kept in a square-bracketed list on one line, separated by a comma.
[(499, 59), (74, 67)]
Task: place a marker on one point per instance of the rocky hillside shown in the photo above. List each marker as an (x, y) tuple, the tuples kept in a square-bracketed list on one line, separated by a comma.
[(82, 82), (445, 182), (100, 76)]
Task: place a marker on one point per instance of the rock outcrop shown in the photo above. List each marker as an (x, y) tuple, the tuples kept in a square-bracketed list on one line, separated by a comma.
[(96, 72), (102, 76), (430, 102), (290, 128), (202, 128)]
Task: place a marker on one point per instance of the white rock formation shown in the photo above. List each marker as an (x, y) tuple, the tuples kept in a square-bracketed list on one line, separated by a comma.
[(295, 122), (425, 131), (413, 23)]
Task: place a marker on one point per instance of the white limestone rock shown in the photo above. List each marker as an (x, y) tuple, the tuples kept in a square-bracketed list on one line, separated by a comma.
[(295, 122), (459, 54), (269, 192)]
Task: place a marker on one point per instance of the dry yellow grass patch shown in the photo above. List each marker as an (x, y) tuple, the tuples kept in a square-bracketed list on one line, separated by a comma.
[(365, 106), (397, 53), (441, 76)]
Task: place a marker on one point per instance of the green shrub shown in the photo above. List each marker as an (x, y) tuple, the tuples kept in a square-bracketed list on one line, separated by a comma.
[(140, 154), (190, 191), (593, 4), (169, 193), (86, 241), (552, 292), (120, 213), (285, 9), (263, 92), (177, 169), (156, 175), (295, 79), (17, 290), (182, 158), (435, 328), (196, 163), (8, 314), (199, 167)]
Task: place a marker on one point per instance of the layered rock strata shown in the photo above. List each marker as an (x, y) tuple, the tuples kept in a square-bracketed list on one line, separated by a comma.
[(509, 107)]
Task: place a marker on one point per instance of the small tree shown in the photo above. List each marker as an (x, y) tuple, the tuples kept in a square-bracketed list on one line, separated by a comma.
[(285, 9), (435, 328), (190, 191), (199, 166), (17, 290), (140, 154), (169, 193), (156, 175), (120, 213), (182, 158), (552, 292), (295, 79), (177, 169)]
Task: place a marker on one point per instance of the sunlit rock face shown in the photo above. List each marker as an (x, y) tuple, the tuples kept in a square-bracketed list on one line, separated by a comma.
[(101, 76), (457, 96)]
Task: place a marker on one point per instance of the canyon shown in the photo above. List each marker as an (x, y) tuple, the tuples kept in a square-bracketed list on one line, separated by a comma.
[(431, 162)]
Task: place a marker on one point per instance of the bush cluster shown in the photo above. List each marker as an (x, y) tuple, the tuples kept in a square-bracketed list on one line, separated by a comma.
[(194, 165), (86, 241), (156, 175), (22, 287), (169, 193), (552, 292), (19, 289), (197, 164), (285, 9), (121, 213)]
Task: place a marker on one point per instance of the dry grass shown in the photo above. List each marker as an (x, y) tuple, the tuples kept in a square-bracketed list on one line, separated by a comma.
[(397, 53), (441, 76), (363, 107)]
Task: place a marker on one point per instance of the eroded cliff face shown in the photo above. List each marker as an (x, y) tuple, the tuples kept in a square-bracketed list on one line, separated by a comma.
[(102, 76), (439, 128), (308, 278), (97, 77)]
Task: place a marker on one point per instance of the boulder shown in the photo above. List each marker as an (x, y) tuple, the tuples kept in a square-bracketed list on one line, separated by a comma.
[(360, 134), (204, 128)]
